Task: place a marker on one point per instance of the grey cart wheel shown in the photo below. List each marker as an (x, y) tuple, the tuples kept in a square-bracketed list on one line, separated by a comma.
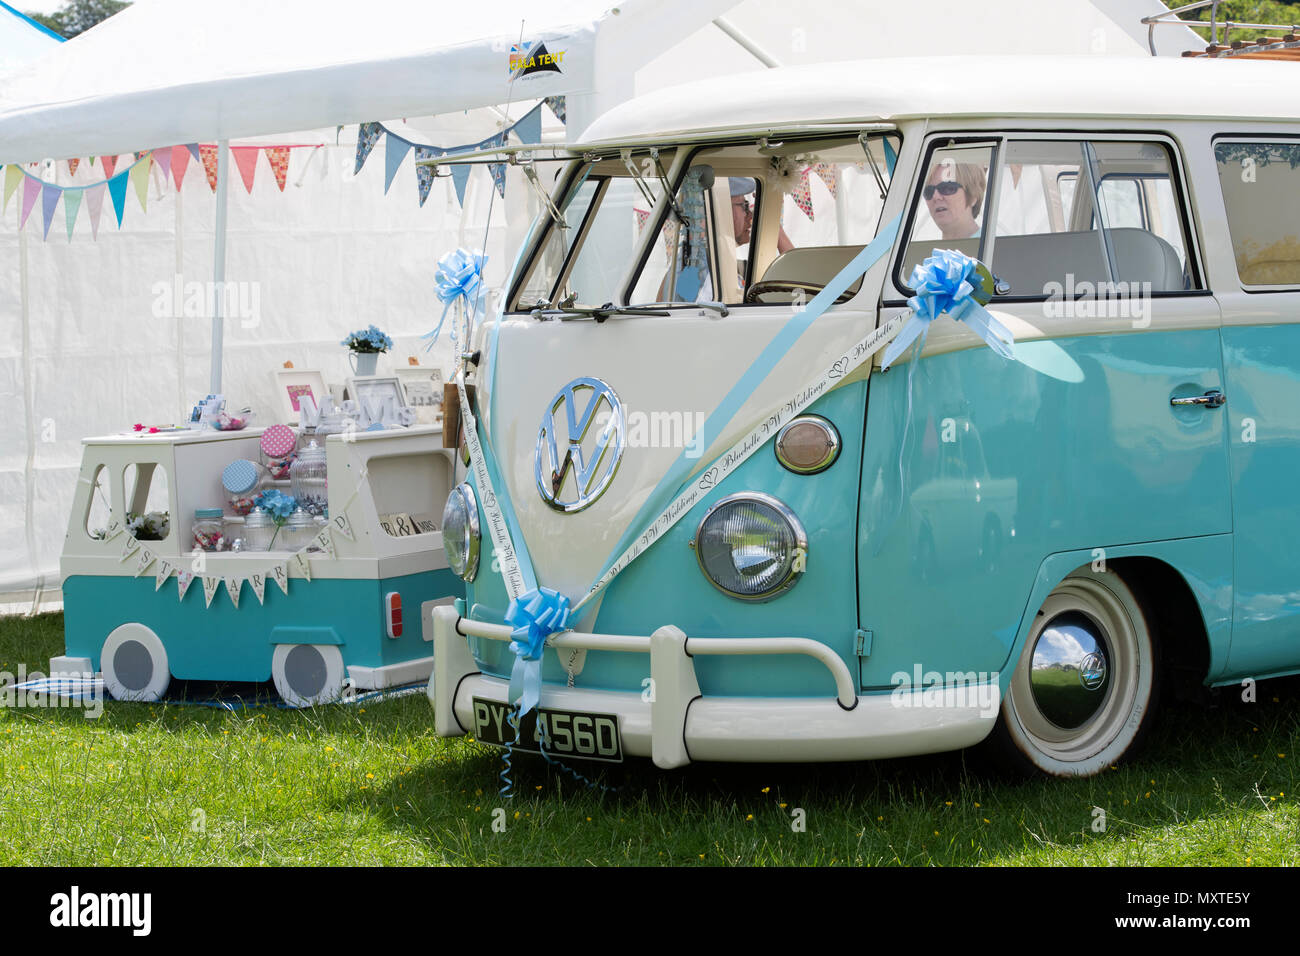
[(307, 674), (1083, 692), (134, 664)]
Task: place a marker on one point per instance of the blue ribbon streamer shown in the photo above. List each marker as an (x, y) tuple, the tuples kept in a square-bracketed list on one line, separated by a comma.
[(460, 275), (534, 617)]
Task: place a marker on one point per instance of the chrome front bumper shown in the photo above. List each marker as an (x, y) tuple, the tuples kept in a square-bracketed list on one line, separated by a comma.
[(674, 724)]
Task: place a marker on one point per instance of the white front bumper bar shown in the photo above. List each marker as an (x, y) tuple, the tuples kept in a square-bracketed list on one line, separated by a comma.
[(674, 724)]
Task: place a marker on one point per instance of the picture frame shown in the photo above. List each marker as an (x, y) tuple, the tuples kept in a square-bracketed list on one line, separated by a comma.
[(379, 399), (290, 383), (422, 389)]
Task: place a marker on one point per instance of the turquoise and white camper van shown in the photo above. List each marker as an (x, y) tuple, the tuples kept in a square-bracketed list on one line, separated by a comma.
[(1027, 550)]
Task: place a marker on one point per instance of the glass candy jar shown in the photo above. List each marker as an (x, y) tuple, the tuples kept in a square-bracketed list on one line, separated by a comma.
[(298, 530), (278, 445), (309, 485), (242, 479), (207, 529), (232, 526), (259, 530)]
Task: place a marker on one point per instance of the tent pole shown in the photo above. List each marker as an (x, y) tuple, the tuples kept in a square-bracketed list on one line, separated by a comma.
[(219, 264)]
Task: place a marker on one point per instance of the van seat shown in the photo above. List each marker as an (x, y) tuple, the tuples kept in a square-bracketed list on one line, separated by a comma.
[(1028, 263), (812, 266)]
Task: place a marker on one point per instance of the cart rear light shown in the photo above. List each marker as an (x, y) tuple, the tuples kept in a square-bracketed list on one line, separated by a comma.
[(393, 605)]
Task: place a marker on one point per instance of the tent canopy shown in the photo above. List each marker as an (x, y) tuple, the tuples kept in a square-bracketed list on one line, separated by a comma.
[(161, 73), (22, 38)]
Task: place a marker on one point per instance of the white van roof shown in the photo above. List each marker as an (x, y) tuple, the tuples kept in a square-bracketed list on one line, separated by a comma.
[(885, 90)]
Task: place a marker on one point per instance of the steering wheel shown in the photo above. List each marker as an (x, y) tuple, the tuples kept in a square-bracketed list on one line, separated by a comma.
[(768, 286)]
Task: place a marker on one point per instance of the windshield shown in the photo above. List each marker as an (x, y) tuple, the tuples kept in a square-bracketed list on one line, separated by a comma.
[(755, 223)]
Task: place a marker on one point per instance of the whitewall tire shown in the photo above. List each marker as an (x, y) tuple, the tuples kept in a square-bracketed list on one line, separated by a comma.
[(134, 664), (1084, 690), (308, 674)]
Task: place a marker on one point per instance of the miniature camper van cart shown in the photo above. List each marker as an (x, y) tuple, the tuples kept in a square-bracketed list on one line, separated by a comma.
[(842, 552), (144, 605)]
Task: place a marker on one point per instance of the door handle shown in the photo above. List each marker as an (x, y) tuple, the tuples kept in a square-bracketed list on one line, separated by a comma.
[(1211, 399)]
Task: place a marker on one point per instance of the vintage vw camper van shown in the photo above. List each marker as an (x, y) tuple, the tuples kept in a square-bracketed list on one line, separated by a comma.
[(1027, 551)]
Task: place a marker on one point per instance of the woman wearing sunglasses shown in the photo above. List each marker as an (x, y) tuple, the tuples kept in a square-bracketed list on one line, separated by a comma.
[(954, 193)]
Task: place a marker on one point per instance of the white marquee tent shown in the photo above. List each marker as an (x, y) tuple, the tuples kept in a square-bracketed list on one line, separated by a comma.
[(21, 38), (86, 348)]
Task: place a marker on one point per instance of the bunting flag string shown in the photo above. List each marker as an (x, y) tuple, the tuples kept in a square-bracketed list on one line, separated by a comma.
[(528, 129), (172, 161)]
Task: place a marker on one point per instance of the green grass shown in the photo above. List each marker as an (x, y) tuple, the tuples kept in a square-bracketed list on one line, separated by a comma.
[(371, 784)]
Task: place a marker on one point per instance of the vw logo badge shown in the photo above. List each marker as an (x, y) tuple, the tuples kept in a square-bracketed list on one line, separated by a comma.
[(569, 477), (1092, 671)]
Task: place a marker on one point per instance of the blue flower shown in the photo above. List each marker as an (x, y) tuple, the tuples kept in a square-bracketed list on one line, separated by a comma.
[(279, 506), (369, 339)]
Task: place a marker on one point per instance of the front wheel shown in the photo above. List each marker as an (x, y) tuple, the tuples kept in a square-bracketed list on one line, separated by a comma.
[(307, 674), (1084, 690)]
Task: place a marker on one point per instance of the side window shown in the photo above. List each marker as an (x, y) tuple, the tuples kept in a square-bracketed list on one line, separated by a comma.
[(148, 506), (100, 509), (951, 208), (1261, 189), (546, 269), (1088, 219), (680, 266)]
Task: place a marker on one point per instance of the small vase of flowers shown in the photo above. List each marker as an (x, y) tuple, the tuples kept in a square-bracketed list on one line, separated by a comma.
[(365, 346)]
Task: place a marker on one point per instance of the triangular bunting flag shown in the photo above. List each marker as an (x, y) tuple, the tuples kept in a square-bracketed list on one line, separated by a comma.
[(163, 572), (72, 166), (145, 559), (209, 156), (280, 574), (304, 564), (163, 157), (556, 103), (13, 176), (278, 157), (95, 205), (246, 160), (183, 581), (424, 174), (71, 205), (194, 149), (324, 541), (395, 151), (367, 136), (258, 583), (50, 194), (210, 586), (180, 162), (139, 176), (31, 189), (826, 172), (110, 164), (117, 192), (459, 177), (113, 530), (129, 547), (342, 525), (233, 584), (801, 195), (529, 129)]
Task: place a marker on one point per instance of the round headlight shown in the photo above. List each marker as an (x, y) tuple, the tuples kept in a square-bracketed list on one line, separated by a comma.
[(460, 532), (751, 546)]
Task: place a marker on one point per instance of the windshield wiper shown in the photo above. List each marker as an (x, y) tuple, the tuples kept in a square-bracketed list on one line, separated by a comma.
[(600, 314), (717, 307)]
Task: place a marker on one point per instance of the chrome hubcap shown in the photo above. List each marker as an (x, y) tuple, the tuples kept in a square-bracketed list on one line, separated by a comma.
[(1070, 670)]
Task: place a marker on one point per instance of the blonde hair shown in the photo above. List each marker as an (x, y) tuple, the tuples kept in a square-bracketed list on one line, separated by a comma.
[(967, 175)]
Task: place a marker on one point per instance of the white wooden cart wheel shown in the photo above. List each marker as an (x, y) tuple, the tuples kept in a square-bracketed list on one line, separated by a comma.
[(134, 664), (307, 674), (1084, 689)]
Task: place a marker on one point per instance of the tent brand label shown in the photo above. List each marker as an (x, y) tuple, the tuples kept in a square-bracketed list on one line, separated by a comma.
[(75, 908), (530, 60)]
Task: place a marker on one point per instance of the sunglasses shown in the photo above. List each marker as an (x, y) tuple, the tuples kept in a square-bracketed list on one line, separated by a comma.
[(742, 204), (943, 189)]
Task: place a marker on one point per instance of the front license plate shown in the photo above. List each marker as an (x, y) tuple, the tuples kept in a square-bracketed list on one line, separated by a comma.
[(570, 734)]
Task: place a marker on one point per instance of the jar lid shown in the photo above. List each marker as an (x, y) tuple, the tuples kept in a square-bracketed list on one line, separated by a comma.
[(233, 519), (207, 512), (239, 476), (299, 519), (313, 452), (258, 518), (278, 441)]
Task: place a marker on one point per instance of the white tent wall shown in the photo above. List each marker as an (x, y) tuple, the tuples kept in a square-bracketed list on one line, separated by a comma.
[(22, 39), (92, 339)]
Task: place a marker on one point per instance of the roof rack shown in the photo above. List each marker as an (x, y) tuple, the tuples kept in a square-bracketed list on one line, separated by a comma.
[(1259, 47)]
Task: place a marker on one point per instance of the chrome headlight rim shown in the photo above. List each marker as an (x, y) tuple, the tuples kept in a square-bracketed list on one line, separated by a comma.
[(470, 502), (786, 513), (833, 440)]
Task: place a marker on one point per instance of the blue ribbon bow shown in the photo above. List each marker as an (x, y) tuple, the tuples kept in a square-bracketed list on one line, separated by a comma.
[(943, 284), (534, 617), (460, 273)]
